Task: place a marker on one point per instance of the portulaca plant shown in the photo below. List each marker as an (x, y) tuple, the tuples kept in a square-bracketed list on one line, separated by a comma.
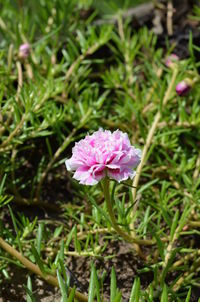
[(103, 156)]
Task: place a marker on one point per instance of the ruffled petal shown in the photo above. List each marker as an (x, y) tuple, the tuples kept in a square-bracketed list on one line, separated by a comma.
[(98, 172), (103, 153), (121, 175), (84, 175)]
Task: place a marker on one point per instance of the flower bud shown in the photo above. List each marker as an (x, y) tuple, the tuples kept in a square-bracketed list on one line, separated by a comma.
[(171, 60), (183, 87), (24, 50)]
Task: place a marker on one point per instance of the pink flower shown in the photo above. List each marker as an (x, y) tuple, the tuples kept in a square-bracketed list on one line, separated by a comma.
[(24, 50), (183, 87), (103, 154), (171, 59)]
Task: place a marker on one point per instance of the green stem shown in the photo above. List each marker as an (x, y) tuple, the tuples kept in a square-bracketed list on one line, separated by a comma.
[(124, 235)]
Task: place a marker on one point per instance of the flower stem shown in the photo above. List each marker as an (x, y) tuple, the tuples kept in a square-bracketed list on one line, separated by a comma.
[(124, 235)]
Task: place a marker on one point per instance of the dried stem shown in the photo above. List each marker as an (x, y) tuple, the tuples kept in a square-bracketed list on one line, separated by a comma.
[(170, 18), (35, 269), (184, 259), (10, 56), (197, 169), (20, 78), (14, 132), (90, 51), (19, 87), (5, 28), (159, 72), (188, 274), (54, 251), (170, 247), (151, 134), (29, 71), (83, 235), (148, 142), (128, 64)]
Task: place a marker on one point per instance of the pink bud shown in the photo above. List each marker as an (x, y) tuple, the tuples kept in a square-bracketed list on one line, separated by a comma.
[(186, 227), (182, 88), (171, 59), (24, 50)]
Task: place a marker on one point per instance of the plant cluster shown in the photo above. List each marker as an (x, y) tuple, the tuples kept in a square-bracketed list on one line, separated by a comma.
[(62, 77)]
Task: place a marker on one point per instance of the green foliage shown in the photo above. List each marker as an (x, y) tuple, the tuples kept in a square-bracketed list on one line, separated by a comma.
[(80, 77), (30, 295)]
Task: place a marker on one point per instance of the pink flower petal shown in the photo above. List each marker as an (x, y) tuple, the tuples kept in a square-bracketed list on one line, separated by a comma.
[(84, 175), (103, 153), (121, 175)]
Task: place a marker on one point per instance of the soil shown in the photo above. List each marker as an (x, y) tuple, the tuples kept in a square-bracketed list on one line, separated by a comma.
[(126, 264), (12, 290)]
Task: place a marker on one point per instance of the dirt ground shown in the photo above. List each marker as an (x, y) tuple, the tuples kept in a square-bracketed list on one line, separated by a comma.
[(126, 265)]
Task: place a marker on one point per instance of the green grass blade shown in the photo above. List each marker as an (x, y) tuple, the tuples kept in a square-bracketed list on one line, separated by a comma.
[(113, 285), (135, 292), (164, 296), (63, 287)]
